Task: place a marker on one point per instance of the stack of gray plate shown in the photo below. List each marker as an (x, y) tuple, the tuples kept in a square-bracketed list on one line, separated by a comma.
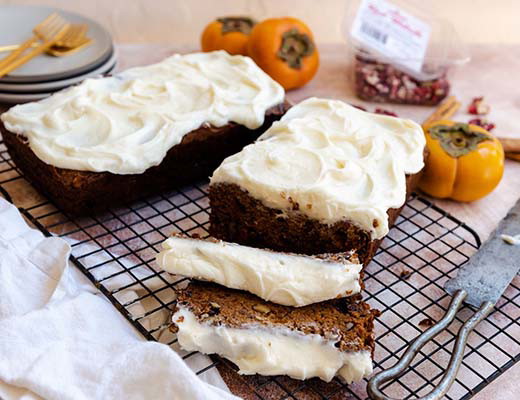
[(45, 74)]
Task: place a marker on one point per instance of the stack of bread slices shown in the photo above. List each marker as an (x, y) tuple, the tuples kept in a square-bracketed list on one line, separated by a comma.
[(299, 213)]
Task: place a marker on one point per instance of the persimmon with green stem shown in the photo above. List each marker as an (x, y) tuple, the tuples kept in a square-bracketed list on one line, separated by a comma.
[(285, 49)]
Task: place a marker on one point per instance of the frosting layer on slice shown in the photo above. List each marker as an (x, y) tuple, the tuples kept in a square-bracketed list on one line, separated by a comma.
[(272, 351), (286, 279), (332, 162), (126, 124)]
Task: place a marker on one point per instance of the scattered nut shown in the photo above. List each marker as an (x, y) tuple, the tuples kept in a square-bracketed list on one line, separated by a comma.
[(512, 240), (427, 322), (478, 107), (261, 308), (76, 182), (180, 319), (173, 328), (295, 205), (405, 274)]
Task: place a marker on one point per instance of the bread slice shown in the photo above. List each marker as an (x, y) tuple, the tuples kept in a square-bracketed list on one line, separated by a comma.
[(323, 340), (326, 178), (193, 159), (283, 278), (238, 217)]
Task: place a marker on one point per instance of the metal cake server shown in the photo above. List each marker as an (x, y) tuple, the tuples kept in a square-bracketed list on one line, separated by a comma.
[(480, 283)]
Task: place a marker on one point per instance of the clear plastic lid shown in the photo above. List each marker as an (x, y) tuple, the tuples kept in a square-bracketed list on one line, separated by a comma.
[(442, 49)]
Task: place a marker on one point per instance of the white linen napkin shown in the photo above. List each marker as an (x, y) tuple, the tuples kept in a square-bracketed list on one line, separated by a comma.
[(61, 339)]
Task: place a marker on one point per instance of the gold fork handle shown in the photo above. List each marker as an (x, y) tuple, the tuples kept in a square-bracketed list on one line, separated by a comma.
[(19, 50), (55, 50), (4, 70), (11, 47)]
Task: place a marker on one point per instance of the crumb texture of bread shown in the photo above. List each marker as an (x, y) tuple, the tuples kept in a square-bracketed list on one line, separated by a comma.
[(350, 321), (328, 339), (237, 217)]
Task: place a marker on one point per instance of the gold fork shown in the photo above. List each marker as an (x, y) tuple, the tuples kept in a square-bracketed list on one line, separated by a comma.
[(49, 31), (75, 39), (30, 42)]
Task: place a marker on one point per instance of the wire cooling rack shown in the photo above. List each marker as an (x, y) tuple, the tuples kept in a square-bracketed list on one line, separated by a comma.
[(116, 251)]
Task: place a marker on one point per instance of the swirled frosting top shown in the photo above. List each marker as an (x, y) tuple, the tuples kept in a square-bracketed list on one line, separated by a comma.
[(332, 162), (126, 124)]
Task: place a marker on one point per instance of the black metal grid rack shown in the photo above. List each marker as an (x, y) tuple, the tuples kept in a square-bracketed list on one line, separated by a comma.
[(116, 251)]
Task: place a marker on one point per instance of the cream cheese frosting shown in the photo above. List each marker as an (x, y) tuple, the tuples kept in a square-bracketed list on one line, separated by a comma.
[(272, 351), (125, 124), (285, 279), (336, 161)]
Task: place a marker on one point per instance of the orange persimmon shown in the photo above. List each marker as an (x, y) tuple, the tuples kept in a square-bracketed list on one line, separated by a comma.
[(465, 163), (284, 48), (227, 33)]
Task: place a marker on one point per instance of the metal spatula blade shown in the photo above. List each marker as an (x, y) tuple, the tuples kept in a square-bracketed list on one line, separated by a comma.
[(480, 283), (489, 272)]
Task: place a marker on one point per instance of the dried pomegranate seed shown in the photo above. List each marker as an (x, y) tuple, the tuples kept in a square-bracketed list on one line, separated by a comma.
[(359, 107), (478, 107), (376, 111), (381, 82), (484, 123), (385, 112)]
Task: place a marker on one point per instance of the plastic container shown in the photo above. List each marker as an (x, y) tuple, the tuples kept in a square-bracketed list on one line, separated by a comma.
[(404, 76)]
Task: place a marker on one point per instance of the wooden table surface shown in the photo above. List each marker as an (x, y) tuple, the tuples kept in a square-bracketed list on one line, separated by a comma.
[(489, 74)]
